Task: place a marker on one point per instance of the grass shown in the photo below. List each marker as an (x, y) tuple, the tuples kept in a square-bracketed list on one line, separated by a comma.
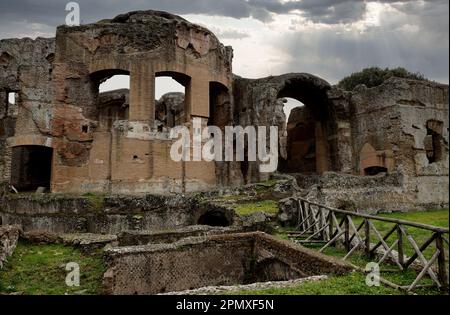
[(40, 269), (267, 206), (351, 284)]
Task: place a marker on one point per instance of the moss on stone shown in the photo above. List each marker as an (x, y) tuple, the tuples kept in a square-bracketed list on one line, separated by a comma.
[(266, 206)]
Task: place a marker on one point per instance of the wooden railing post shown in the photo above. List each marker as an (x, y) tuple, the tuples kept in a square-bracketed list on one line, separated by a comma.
[(299, 213), (442, 266), (321, 223), (304, 214), (347, 233), (401, 257), (331, 224), (367, 238)]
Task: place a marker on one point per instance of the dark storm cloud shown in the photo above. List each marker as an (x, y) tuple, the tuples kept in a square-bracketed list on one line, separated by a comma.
[(332, 51), (415, 37), (52, 12)]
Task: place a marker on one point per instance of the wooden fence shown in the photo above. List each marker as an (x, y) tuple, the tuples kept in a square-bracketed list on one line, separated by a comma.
[(326, 226)]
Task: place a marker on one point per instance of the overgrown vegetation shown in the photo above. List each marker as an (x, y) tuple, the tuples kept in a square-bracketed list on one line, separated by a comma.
[(375, 76), (40, 269), (96, 201), (259, 197), (267, 206)]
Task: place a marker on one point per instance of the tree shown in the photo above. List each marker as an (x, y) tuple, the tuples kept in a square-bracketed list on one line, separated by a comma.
[(375, 76)]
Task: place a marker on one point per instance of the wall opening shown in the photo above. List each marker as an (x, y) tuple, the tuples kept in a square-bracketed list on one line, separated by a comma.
[(31, 167), (214, 218), (12, 96), (219, 105), (299, 138), (171, 108), (374, 170), (9, 106), (304, 144), (434, 141), (112, 100)]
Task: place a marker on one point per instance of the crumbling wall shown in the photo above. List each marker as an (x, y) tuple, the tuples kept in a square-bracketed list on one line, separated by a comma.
[(259, 103), (391, 130), (59, 213), (133, 238), (143, 44), (392, 118), (9, 236), (113, 142), (95, 149), (26, 68)]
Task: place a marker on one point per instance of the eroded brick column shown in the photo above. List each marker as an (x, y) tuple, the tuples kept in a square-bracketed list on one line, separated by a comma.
[(142, 93), (198, 98)]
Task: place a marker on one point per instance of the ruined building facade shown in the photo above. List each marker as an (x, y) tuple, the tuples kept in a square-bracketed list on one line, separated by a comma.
[(63, 134)]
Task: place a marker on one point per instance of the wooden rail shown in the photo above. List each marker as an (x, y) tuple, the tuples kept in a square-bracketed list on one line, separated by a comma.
[(319, 224)]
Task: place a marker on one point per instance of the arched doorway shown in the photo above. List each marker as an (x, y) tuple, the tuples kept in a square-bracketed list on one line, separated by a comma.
[(307, 149)]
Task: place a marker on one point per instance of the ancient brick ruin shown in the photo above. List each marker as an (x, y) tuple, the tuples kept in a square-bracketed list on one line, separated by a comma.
[(63, 134)]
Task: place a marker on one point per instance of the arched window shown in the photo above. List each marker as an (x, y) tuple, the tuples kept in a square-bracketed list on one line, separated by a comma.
[(171, 101), (111, 97)]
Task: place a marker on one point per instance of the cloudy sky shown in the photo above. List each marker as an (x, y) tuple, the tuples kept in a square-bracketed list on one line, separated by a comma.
[(327, 38)]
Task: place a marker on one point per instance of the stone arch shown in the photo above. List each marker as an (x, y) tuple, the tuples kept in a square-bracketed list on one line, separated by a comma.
[(31, 140), (308, 149), (95, 112), (215, 217), (172, 108)]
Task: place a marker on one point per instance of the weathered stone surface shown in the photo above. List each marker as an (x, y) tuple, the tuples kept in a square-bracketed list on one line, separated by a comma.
[(9, 235), (58, 213), (60, 107), (211, 290), (40, 237), (170, 109), (132, 238)]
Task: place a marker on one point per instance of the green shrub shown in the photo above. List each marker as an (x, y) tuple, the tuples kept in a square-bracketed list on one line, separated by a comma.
[(375, 76)]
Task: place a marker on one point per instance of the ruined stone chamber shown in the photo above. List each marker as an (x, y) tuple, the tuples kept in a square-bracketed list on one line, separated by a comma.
[(214, 260)]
